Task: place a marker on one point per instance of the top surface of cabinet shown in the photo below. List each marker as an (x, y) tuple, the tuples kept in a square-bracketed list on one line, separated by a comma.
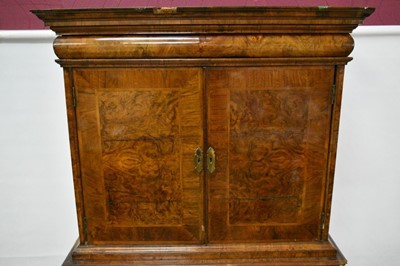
[(204, 20)]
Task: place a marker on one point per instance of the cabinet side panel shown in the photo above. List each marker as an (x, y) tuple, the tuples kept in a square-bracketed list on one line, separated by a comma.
[(339, 75), (270, 129), (73, 141)]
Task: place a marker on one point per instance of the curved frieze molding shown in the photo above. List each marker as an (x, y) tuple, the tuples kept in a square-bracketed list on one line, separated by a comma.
[(198, 46)]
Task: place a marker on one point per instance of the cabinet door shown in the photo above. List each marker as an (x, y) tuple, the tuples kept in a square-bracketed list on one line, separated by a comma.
[(270, 128), (138, 130)]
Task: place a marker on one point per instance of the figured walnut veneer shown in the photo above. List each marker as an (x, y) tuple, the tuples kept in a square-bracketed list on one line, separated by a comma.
[(138, 132), (200, 46), (271, 142), (146, 88)]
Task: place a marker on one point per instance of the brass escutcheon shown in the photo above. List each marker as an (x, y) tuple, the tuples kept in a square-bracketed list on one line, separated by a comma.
[(198, 160), (211, 160)]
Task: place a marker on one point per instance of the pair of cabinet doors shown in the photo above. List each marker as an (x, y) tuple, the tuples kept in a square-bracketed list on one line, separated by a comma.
[(139, 130)]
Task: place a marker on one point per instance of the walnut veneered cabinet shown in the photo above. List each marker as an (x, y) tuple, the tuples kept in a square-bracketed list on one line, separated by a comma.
[(204, 136)]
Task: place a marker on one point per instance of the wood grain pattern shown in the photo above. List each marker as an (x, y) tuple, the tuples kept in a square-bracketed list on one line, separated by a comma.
[(74, 144), (134, 146), (204, 62), (198, 46), (277, 254), (270, 127), (266, 161), (124, 113), (142, 177)]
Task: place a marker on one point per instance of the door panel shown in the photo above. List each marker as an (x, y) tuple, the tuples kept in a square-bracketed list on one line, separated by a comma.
[(138, 130), (270, 128)]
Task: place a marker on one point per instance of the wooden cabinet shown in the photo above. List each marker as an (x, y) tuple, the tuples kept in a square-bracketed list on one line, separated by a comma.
[(204, 135)]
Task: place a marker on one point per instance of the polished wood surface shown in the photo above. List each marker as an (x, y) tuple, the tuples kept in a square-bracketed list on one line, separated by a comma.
[(270, 128), (138, 129), (200, 46), (209, 20), (150, 91), (278, 254)]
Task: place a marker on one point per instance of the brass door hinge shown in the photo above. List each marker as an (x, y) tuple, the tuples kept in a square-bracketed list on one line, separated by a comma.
[(85, 229), (333, 90), (333, 95), (323, 216), (73, 96)]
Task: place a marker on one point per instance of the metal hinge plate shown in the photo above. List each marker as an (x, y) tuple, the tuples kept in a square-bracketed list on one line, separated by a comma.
[(323, 221), (333, 95), (73, 97), (85, 229)]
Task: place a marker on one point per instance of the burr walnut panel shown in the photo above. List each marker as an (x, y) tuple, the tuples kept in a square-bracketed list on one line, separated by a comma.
[(134, 147), (124, 113), (271, 134), (142, 182)]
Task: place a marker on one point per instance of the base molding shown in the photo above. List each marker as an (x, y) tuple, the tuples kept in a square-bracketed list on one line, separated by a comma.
[(277, 254)]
